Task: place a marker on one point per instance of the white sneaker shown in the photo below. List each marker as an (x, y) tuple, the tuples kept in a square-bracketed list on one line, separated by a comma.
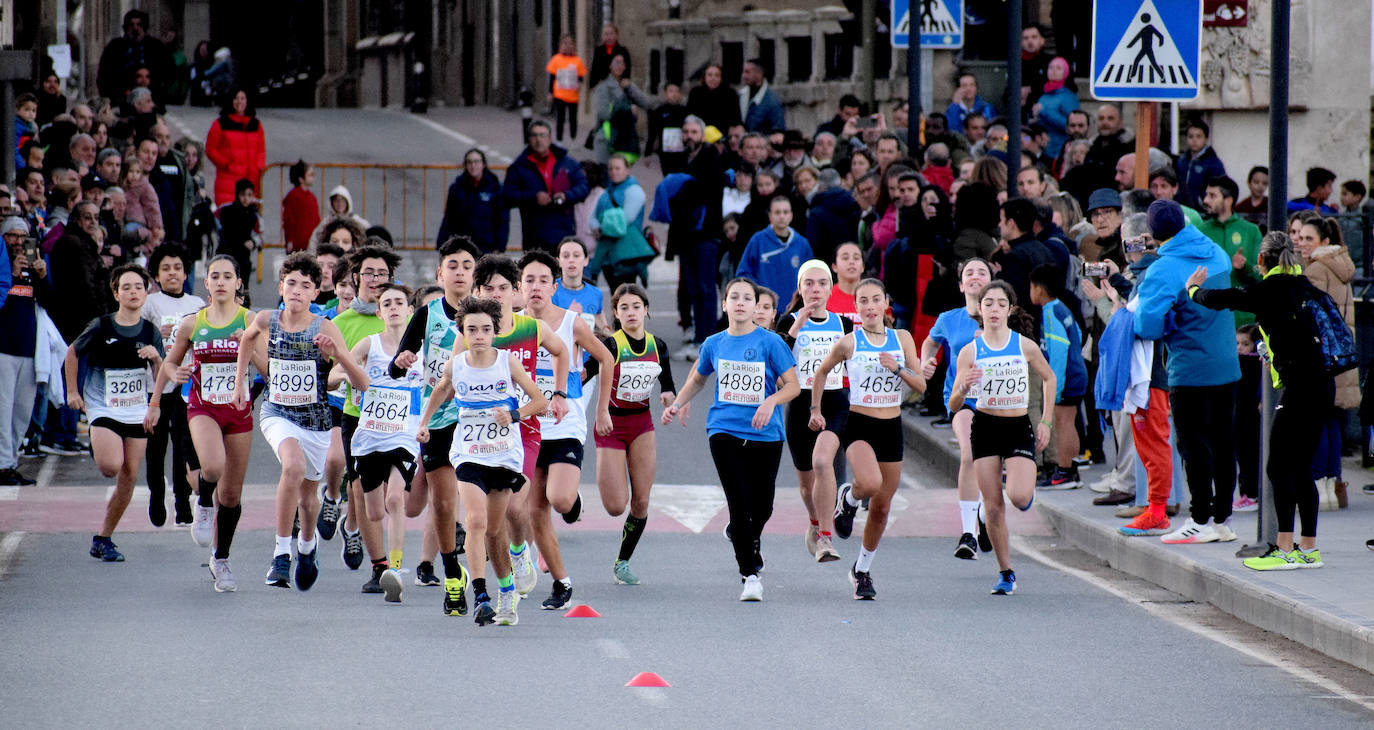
[(1107, 483), (505, 608), (753, 589), (688, 352), (525, 575), (224, 578), (1326, 494), (392, 585), (1224, 532), (1191, 532), (203, 529)]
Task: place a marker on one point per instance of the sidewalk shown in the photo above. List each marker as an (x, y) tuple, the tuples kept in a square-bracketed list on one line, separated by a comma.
[(1330, 610)]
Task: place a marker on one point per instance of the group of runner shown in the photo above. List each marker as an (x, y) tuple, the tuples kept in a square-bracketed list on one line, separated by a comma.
[(450, 395)]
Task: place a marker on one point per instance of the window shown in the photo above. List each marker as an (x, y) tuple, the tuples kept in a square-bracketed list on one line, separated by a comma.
[(799, 59), (839, 57), (768, 52), (731, 61)]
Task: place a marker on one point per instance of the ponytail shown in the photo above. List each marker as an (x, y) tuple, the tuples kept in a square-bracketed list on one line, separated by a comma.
[(1276, 251)]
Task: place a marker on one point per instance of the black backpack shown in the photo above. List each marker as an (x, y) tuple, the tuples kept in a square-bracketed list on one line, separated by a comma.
[(1333, 336)]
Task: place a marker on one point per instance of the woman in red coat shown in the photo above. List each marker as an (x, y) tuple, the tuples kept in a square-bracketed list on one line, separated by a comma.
[(237, 147)]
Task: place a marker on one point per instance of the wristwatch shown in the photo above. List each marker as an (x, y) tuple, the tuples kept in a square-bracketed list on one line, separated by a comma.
[(515, 414), (560, 394)]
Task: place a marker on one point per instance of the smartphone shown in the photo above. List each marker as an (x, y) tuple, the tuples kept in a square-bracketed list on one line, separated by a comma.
[(867, 123), (31, 249), (1097, 269)]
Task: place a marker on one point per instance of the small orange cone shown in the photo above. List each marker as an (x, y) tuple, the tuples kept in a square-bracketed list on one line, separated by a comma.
[(582, 611), (647, 679)]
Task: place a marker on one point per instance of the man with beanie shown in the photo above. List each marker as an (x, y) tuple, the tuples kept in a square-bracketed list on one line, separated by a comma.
[(1202, 368)]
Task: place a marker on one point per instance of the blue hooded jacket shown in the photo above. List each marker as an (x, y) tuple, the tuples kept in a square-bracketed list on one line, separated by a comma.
[(770, 262), (1201, 342)]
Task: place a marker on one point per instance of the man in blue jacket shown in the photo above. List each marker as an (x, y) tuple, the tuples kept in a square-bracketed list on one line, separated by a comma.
[(1202, 367), (759, 107), (775, 254), (544, 182), (1197, 166)]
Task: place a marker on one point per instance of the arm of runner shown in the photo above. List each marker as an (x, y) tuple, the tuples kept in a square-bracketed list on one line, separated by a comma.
[(551, 342), (930, 351), (586, 339), (173, 362), (666, 386), (442, 391), (359, 354), (247, 344), (412, 342), (1040, 366), (331, 343), (966, 374), (74, 400), (790, 389), (536, 404), (914, 380), (593, 365), (842, 350), (679, 407)]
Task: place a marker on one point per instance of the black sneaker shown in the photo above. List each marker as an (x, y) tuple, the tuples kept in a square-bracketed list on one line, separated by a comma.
[(375, 585), (863, 584), (968, 547), (460, 536), (483, 613), (559, 598), (328, 521), (352, 551), (157, 506), (104, 549), (844, 514), (280, 573), (424, 575), (182, 507), (984, 542), (574, 514), (12, 478), (307, 570)]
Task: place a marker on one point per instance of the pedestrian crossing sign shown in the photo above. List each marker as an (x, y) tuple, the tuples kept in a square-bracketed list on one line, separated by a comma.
[(1146, 50), (941, 23)]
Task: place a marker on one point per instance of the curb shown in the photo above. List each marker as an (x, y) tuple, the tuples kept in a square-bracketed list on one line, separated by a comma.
[(1300, 617)]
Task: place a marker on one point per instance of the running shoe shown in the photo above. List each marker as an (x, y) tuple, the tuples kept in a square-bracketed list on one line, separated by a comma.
[(104, 549), (1146, 523), (1369, 544), (1061, 478), (526, 577), (374, 585), (1106, 484), (812, 532), (31, 450), (280, 573), (753, 588), (307, 569), (157, 503), (1006, 584), (1190, 533), (967, 548), (460, 538), (455, 594), (182, 507), (1224, 532), (623, 575), (328, 521), (726, 533), (688, 352), (203, 526), (1244, 504), (825, 550), (352, 549), (1274, 559), (575, 513), (62, 449), (863, 584), (424, 575), (1312, 559), (391, 585), (224, 578), (483, 613), (942, 422), (984, 541), (506, 601), (844, 514), (559, 598), (12, 478)]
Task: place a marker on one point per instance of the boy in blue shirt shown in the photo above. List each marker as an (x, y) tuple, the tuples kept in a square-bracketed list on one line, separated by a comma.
[(1062, 343), (775, 254)]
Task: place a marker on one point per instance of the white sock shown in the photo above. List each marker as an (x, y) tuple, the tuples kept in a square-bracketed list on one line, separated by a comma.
[(865, 560), (305, 548), (567, 582), (968, 516), (283, 546), (850, 500)]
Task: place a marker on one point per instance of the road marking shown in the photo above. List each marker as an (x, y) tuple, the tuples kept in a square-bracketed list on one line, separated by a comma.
[(180, 125), (612, 649), (693, 505), (9, 494), (45, 472), (8, 547), (653, 695), (1023, 546), (496, 157)]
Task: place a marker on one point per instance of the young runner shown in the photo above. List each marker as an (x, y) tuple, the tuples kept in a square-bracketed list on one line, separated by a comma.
[(384, 446), (640, 358), (872, 435), (118, 348), (165, 309), (766, 308), (558, 468), (812, 332), (576, 293), (370, 269), (745, 428), (849, 271), (295, 417), (487, 451), (221, 431), (430, 339), (953, 330), (995, 368)]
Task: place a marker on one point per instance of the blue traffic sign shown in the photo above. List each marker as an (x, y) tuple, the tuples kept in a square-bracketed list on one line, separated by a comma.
[(1146, 50), (941, 23)]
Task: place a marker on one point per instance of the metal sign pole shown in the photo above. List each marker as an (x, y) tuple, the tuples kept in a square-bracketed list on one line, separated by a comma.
[(1013, 95)]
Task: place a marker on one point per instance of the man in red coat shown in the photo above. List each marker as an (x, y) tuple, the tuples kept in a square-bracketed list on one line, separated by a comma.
[(300, 209)]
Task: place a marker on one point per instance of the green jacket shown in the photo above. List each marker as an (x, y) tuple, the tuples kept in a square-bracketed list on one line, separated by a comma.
[(1237, 234)]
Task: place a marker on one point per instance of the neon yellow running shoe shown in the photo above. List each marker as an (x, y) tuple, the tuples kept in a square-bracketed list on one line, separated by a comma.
[(455, 595), (1311, 559), (1274, 559)]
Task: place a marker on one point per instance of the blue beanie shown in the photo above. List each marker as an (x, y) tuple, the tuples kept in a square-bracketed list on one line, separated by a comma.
[(1165, 219)]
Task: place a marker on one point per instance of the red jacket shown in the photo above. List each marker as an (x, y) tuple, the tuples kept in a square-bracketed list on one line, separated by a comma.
[(300, 213), (238, 150)]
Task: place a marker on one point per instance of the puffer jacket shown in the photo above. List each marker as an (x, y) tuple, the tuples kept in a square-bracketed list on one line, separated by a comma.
[(238, 149), (1331, 269)]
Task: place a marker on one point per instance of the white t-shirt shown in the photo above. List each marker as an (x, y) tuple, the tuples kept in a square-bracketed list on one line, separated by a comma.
[(161, 308)]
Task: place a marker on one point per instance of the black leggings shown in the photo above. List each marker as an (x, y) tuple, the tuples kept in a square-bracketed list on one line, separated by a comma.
[(566, 109), (1204, 417), (748, 474), (1293, 441), (171, 425)]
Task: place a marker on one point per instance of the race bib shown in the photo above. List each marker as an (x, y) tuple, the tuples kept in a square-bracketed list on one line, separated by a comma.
[(566, 78), (672, 140), (636, 380), (126, 388), (171, 339), (740, 382), (544, 381), (877, 386), (1004, 385), (589, 319), (480, 434), (388, 410), (217, 381), (812, 350), (435, 360), (293, 382)]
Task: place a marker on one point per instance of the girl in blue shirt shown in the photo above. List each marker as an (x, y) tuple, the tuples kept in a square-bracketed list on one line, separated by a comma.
[(744, 423)]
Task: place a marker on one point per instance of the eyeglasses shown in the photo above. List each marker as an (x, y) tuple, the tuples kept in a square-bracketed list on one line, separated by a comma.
[(373, 274)]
